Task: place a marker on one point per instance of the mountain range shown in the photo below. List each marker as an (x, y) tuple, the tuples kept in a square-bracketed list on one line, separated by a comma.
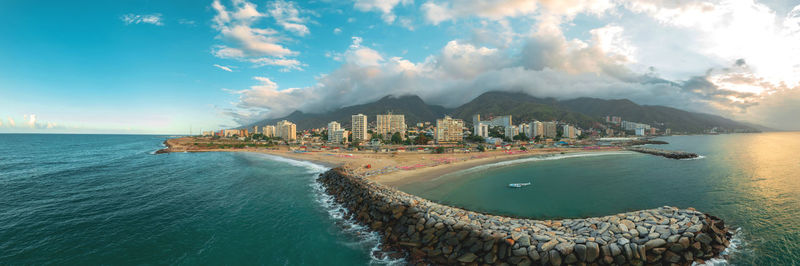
[(584, 112)]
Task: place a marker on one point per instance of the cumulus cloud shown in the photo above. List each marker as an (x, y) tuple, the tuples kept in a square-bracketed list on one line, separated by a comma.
[(11, 122), (385, 7), (259, 45), (226, 68), (287, 15), (337, 31), (542, 61), (154, 19)]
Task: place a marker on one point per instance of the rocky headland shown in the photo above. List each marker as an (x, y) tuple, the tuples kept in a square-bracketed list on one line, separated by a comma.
[(664, 153), (431, 233)]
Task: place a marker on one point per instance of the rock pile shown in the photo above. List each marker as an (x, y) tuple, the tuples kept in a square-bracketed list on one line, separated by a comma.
[(665, 153), (438, 234)]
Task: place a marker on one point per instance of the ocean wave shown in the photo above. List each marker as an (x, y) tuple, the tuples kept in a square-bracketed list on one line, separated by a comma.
[(312, 167), (365, 237), (695, 158), (541, 158), (736, 246)]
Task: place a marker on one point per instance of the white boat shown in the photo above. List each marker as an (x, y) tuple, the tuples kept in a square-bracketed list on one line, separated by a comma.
[(519, 185)]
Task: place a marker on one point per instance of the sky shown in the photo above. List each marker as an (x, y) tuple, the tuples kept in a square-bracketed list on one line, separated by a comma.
[(175, 67)]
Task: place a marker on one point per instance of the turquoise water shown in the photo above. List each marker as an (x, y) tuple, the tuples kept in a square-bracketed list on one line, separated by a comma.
[(105, 199), (752, 181)]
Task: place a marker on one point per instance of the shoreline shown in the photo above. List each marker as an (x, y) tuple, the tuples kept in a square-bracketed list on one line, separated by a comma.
[(397, 169), (401, 178)]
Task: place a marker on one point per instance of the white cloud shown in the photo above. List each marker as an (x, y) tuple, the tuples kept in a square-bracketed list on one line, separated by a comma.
[(11, 122), (287, 15), (259, 45), (31, 120), (611, 62), (385, 7), (439, 11), (337, 31), (223, 67), (154, 19)]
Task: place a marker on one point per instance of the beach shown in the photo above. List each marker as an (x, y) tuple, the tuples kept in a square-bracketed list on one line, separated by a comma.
[(390, 168)]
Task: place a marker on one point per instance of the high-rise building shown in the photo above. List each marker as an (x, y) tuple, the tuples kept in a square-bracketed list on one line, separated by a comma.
[(338, 136), (482, 130), (268, 131), (525, 129), (511, 132), (536, 128), (668, 131), (639, 131), (359, 123), (286, 130), (568, 132), (389, 124), (333, 126), (255, 129), (449, 130), (549, 129)]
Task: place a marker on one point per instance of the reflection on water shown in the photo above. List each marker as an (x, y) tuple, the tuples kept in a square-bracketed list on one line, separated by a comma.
[(750, 180)]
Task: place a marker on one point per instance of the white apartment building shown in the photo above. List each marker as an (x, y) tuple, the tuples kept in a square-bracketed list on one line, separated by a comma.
[(338, 136), (536, 129), (359, 123), (268, 131), (286, 130), (525, 129), (333, 126), (482, 130)]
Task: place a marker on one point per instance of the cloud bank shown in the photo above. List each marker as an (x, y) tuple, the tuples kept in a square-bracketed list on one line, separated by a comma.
[(753, 72)]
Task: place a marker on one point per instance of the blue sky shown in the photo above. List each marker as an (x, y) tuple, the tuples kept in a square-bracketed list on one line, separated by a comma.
[(166, 66)]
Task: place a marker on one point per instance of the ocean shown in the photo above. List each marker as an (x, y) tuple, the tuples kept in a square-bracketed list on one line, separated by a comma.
[(107, 199), (752, 181)]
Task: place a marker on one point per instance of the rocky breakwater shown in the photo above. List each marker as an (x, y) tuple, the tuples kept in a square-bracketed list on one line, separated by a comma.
[(438, 234), (664, 153)]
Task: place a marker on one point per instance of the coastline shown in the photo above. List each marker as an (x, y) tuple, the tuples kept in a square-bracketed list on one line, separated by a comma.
[(681, 236), (396, 169)]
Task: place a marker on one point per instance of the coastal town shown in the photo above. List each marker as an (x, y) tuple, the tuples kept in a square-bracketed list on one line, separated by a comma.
[(390, 132)]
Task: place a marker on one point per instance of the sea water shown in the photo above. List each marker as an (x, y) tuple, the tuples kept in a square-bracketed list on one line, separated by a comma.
[(752, 181), (107, 199)]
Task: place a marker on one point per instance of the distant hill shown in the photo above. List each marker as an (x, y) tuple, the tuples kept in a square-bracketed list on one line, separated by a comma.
[(584, 112), (661, 116), (521, 107), (414, 109)]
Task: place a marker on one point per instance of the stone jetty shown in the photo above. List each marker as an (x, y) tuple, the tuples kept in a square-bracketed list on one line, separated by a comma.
[(432, 233), (664, 153)]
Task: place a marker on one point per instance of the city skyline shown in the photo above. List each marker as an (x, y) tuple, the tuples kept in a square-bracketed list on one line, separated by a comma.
[(172, 67)]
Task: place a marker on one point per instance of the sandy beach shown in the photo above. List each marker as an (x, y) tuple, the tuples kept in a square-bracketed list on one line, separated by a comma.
[(390, 168)]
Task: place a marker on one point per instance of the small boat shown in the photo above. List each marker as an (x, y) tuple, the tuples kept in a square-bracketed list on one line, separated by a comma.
[(519, 185)]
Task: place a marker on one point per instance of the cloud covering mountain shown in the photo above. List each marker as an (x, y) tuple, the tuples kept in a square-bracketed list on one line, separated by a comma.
[(742, 58)]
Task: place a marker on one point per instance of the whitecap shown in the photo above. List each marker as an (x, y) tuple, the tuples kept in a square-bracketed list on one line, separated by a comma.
[(364, 236), (695, 158), (735, 246), (545, 157)]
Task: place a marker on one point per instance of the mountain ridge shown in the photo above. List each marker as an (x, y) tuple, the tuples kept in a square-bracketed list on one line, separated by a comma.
[(583, 111)]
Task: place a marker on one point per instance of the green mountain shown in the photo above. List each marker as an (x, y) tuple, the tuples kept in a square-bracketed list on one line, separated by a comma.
[(659, 116), (414, 109), (584, 112), (522, 108)]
